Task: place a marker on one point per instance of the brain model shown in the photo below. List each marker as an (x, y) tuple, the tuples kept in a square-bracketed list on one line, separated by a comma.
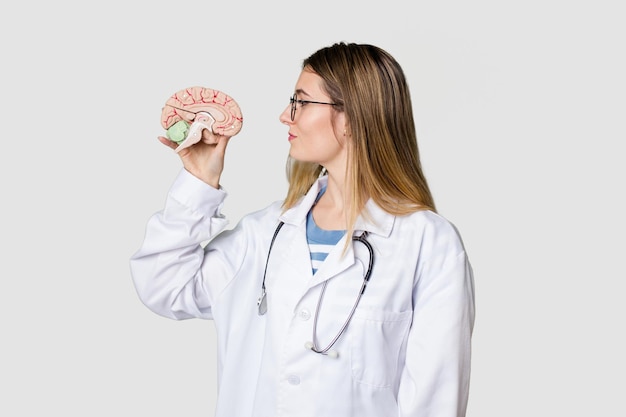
[(189, 112)]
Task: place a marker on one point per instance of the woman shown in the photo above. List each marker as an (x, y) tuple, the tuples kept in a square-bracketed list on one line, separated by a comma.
[(351, 297)]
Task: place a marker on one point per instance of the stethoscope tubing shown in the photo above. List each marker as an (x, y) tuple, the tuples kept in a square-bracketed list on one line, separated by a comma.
[(361, 238), (262, 301)]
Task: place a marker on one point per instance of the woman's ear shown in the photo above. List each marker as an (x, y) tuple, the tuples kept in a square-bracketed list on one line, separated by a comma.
[(346, 130), (342, 130)]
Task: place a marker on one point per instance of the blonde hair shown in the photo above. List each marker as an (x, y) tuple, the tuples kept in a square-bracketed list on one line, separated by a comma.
[(369, 86)]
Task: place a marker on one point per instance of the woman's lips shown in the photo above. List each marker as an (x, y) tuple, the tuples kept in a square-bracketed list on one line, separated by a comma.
[(291, 137)]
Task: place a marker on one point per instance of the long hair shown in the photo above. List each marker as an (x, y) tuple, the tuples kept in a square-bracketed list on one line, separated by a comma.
[(368, 85)]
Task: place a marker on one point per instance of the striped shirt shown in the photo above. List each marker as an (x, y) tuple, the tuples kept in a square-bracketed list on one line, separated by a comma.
[(320, 241)]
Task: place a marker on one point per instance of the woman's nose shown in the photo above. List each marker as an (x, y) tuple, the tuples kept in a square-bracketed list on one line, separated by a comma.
[(285, 116)]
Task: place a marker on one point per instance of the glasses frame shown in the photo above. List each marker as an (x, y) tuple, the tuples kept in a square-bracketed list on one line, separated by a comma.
[(294, 104)]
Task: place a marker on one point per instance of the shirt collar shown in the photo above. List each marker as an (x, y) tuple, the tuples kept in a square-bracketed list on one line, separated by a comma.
[(375, 221)]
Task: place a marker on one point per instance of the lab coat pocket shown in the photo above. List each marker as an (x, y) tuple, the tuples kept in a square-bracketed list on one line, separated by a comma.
[(375, 344)]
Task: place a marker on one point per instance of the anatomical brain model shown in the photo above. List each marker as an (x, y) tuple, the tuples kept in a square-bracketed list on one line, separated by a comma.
[(189, 112)]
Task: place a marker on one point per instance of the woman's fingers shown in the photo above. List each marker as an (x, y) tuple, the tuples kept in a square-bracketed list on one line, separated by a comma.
[(204, 159), (222, 142), (165, 141)]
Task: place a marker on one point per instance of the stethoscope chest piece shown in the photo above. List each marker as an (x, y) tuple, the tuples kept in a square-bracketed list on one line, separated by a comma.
[(262, 303)]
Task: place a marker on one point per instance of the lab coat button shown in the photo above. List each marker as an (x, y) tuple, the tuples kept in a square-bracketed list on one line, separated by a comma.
[(304, 314), (293, 379)]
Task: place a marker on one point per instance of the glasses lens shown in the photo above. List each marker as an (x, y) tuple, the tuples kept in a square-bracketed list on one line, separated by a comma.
[(293, 101)]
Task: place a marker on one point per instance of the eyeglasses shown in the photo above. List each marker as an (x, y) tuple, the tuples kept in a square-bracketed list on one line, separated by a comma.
[(294, 103)]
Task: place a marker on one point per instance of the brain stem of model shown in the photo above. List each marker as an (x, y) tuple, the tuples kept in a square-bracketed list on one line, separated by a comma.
[(190, 111)]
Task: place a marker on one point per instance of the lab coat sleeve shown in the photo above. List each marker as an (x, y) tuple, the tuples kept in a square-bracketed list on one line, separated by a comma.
[(435, 379), (167, 270)]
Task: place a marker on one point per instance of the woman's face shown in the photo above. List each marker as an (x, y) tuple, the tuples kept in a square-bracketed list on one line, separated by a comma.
[(312, 136)]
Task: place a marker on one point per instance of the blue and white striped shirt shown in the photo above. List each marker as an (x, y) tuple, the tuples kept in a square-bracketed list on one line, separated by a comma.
[(320, 241)]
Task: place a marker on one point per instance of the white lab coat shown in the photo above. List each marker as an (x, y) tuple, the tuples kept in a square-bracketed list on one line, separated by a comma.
[(406, 351)]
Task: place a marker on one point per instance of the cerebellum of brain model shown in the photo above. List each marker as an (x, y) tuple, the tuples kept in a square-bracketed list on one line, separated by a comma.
[(188, 112)]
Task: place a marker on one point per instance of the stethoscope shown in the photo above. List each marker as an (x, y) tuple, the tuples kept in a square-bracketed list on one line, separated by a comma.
[(312, 345)]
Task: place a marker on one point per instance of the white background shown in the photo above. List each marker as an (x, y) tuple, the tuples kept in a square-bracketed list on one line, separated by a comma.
[(520, 112)]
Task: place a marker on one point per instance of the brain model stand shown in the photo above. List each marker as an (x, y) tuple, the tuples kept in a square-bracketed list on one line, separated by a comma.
[(189, 112)]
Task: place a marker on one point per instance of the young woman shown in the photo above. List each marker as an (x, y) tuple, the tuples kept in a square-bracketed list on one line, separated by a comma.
[(352, 297)]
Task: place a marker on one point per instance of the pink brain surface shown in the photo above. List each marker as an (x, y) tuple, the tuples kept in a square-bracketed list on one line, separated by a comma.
[(184, 104)]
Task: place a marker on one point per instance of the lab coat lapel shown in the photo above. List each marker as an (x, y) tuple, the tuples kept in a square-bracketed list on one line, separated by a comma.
[(335, 263), (293, 251), (298, 257), (292, 266), (377, 221)]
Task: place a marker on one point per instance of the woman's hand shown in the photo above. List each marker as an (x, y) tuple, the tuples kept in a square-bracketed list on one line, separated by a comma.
[(203, 160)]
